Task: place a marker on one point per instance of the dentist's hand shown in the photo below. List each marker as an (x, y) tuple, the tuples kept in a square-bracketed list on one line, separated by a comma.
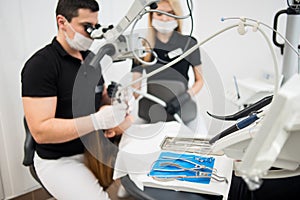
[(121, 128), (109, 116)]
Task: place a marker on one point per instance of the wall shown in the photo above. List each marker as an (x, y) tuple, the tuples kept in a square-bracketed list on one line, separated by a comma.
[(29, 25), (25, 27), (231, 54), (1, 184)]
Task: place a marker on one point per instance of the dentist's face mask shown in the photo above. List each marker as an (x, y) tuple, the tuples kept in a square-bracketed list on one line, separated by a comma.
[(164, 26), (79, 42)]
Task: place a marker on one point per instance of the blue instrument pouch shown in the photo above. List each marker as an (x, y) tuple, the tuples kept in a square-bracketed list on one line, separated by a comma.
[(184, 167)]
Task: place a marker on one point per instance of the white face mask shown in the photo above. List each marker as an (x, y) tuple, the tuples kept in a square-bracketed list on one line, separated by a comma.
[(79, 42), (164, 27)]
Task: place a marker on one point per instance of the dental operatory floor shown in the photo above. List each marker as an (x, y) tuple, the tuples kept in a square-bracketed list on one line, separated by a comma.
[(41, 194)]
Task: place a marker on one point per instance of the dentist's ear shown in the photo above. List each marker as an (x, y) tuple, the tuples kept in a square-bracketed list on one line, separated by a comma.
[(61, 21)]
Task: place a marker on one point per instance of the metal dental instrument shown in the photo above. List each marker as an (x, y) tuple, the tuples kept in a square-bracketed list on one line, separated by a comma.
[(172, 178), (193, 169), (196, 165), (190, 145), (210, 159)]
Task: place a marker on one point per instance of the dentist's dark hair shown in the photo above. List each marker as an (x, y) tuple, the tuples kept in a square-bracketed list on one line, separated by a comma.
[(69, 8)]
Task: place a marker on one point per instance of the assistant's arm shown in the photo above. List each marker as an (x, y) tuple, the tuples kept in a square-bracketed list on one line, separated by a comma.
[(199, 82)]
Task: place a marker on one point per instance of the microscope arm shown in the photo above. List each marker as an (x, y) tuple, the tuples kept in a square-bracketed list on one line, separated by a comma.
[(115, 43), (137, 9)]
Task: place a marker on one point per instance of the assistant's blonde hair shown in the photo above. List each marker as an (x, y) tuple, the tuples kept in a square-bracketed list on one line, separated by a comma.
[(176, 7)]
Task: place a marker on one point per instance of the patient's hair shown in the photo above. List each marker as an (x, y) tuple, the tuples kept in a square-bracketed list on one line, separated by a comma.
[(100, 156), (69, 8)]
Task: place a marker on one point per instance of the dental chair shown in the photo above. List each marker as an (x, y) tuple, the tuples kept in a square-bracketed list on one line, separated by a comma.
[(165, 90), (29, 150)]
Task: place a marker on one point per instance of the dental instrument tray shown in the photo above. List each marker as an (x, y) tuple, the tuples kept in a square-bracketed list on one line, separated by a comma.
[(190, 145), (185, 167)]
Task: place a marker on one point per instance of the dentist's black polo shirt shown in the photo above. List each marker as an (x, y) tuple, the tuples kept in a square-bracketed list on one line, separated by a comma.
[(51, 72)]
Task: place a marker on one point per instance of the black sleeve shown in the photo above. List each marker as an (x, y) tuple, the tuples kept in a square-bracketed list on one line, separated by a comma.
[(194, 58), (39, 77)]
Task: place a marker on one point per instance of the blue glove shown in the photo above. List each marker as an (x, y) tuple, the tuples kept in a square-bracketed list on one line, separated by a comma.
[(112, 89), (173, 106)]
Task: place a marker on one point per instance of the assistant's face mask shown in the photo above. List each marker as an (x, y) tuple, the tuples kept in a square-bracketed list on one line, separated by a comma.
[(79, 42), (164, 27)]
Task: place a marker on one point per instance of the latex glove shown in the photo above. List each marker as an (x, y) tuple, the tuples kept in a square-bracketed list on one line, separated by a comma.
[(173, 106), (128, 121), (112, 89), (109, 116)]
